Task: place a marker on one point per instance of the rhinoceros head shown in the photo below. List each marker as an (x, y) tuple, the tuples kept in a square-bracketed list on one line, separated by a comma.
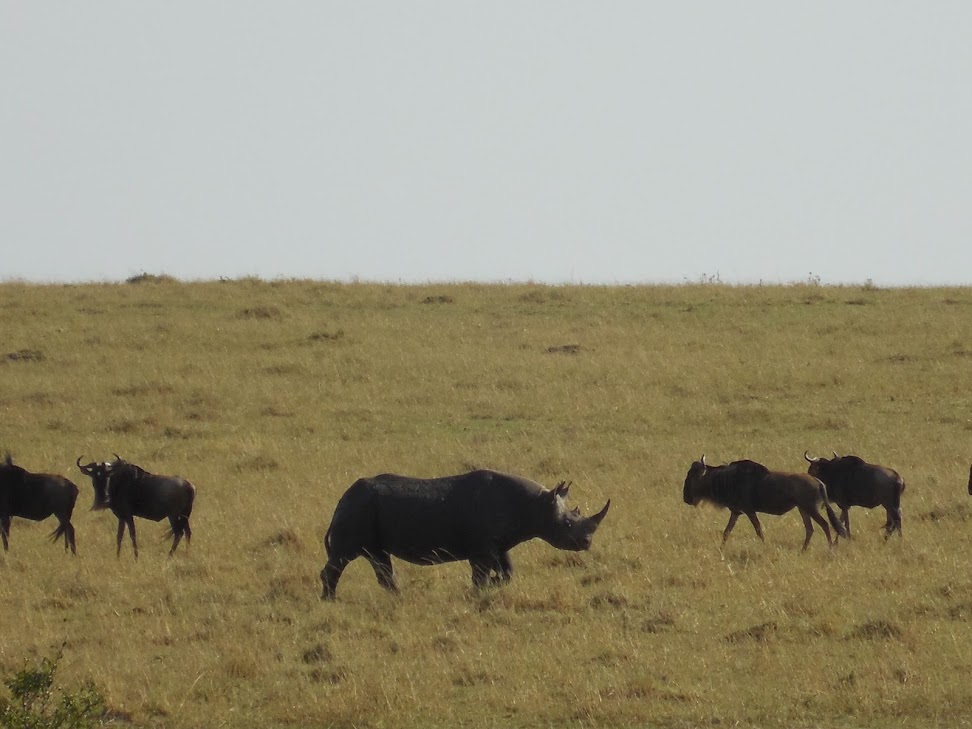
[(567, 529)]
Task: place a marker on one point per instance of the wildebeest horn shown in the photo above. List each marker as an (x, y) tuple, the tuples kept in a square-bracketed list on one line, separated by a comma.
[(601, 514), (702, 459), (835, 454), (809, 459), (86, 470)]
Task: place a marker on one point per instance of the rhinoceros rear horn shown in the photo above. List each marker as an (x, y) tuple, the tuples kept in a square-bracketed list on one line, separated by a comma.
[(599, 516)]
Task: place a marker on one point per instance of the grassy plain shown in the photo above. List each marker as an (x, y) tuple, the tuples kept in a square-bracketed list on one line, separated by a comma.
[(272, 398)]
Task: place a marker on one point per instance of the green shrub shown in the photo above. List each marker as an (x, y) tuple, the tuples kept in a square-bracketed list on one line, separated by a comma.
[(36, 704)]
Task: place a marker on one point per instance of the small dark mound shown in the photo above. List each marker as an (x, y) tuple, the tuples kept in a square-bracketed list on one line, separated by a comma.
[(327, 336), (438, 300), (286, 538), (25, 355), (320, 653), (565, 349), (760, 633), (151, 278), (876, 630), (260, 312)]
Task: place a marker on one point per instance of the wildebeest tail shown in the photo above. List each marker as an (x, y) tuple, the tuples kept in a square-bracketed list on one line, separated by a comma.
[(327, 541), (59, 532), (831, 514)]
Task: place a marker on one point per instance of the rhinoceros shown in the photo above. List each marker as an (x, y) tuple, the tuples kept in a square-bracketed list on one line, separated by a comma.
[(477, 516)]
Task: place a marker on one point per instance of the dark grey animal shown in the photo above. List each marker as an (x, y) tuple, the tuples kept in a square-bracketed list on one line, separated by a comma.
[(477, 516), (36, 496), (970, 480), (131, 491), (747, 487), (851, 481)]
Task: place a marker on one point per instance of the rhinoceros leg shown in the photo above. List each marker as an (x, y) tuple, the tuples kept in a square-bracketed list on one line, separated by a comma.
[(504, 572), (5, 531), (384, 571), (491, 570)]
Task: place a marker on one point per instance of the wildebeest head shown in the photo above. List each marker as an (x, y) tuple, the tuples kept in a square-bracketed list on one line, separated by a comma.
[(691, 491), (567, 529), (99, 474), (819, 466)]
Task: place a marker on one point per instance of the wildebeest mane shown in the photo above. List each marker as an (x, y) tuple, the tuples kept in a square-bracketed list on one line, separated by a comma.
[(130, 470)]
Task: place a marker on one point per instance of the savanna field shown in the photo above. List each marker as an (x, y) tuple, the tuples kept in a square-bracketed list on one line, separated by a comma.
[(273, 397)]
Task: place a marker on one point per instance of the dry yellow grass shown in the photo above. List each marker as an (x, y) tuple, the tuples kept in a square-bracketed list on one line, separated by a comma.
[(273, 397)]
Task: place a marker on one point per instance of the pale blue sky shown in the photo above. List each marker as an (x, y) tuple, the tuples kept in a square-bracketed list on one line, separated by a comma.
[(594, 142)]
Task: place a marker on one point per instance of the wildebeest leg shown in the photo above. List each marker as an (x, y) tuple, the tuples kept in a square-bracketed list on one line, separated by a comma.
[(808, 525), (732, 522), (5, 531), (330, 576), (130, 522), (67, 529), (894, 521), (754, 520), (818, 517), (121, 534), (177, 525), (382, 565), (481, 570), (845, 517)]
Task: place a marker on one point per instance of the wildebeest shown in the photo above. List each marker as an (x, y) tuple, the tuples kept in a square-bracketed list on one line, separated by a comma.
[(130, 491), (36, 496), (970, 480), (850, 481), (477, 516), (747, 487)]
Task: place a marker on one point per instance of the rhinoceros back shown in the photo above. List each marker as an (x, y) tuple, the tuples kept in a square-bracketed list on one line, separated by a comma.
[(427, 521)]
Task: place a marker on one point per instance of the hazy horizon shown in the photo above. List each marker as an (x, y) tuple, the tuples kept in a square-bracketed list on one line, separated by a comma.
[(548, 142)]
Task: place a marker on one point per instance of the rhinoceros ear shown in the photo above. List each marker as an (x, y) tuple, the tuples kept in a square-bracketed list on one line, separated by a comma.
[(562, 489)]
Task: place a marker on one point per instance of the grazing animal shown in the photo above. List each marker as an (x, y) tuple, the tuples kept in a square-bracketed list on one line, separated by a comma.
[(851, 481), (747, 487), (970, 480), (477, 516), (131, 491), (36, 496)]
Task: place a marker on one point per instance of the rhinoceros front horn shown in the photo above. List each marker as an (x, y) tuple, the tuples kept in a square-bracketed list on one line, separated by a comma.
[(602, 513)]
